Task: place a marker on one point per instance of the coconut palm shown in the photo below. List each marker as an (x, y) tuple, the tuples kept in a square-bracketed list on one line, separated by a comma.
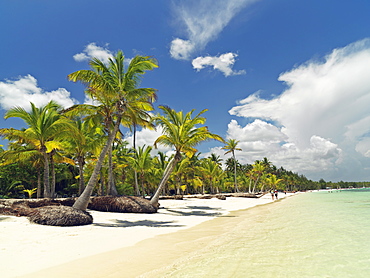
[(141, 162), (84, 139), (212, 172), (45, 127), (273, 181), (116, 88), (231, 147), (179, 172), (142, 119), (216, 158), (258, 170), (180, 132)]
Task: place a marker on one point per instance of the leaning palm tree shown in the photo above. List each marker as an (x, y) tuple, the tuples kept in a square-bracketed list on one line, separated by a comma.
[(258, 170), (180, 131), (116, 87), (231, 147), (45, 127)]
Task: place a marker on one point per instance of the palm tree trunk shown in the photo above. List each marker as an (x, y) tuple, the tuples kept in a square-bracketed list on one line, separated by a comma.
[(39, 193), (235, 183), (52, 186), (112, 190), (81, 185), (135, 172), (137, 190), (255, 184), (83, 201), (46, 175), (166, 175), (101, 185)]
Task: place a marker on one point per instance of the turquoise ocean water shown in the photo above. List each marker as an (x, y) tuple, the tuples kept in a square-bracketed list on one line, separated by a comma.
[(316, 234)]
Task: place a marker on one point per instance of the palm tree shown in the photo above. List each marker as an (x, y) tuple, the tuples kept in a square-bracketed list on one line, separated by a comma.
[(116, 88), (180, 131), (212, 172), (84, 139), (179, 171), (216, 158), (273, 181), (231, 147), (45, 127), (258, 170), (141, 119), (141, 162)]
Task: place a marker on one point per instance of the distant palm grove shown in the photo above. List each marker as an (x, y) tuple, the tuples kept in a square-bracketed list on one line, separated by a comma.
[(81, 151)]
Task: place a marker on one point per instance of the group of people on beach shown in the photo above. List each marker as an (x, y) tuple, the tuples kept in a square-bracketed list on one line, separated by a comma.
[(274, 194)]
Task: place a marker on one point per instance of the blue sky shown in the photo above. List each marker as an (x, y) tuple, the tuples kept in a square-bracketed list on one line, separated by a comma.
[(289, 79)]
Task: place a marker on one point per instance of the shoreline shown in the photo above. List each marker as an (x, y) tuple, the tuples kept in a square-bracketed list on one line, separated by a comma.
[(30, 250)]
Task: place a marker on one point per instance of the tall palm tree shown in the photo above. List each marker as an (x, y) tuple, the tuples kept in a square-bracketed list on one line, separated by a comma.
[(84, 139), (231, 147), (45, 127), (142, 119), (180, 131), (216, 158), (141, 162), (116, 87), (179, 172), (258, 170), (212, 172)]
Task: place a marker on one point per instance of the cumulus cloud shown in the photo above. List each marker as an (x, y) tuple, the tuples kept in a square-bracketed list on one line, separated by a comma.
[(202, 22), (223, 63), (322, 119), (25, 90), (181, 49), (93, 51)]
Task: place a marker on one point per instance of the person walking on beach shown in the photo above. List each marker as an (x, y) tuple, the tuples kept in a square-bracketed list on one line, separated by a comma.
[(272, 194), (276, 194)]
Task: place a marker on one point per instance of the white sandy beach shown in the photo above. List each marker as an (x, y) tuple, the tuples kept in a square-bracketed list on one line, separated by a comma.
[(28, 249)]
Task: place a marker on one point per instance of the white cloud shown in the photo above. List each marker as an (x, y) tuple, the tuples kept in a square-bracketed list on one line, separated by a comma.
[(25, 90), (260, 139), (223, 63), (93, 51), (323, 114), (181, 49), (202, 22)]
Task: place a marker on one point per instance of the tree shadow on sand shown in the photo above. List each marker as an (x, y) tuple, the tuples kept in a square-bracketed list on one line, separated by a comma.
[(145, 223), (4, 218), (194, 211)]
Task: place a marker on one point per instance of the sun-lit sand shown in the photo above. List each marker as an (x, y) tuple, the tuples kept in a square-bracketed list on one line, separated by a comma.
[(113, 240)]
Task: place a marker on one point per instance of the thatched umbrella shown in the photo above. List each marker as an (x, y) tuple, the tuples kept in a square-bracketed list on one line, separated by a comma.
[(122, 204), (60, 216)]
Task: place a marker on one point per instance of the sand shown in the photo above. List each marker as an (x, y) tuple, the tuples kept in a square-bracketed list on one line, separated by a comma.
[(116, 244)]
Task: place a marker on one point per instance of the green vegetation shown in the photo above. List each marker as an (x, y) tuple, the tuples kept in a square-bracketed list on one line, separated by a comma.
[(59, 150)]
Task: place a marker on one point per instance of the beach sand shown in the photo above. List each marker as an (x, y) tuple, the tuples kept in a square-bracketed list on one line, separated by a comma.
[(116, 244)]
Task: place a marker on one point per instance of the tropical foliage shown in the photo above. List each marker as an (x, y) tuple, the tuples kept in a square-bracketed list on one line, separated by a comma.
[(58, 150)]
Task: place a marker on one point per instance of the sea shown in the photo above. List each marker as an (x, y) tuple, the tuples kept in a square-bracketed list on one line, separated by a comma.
[(314, 234)]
